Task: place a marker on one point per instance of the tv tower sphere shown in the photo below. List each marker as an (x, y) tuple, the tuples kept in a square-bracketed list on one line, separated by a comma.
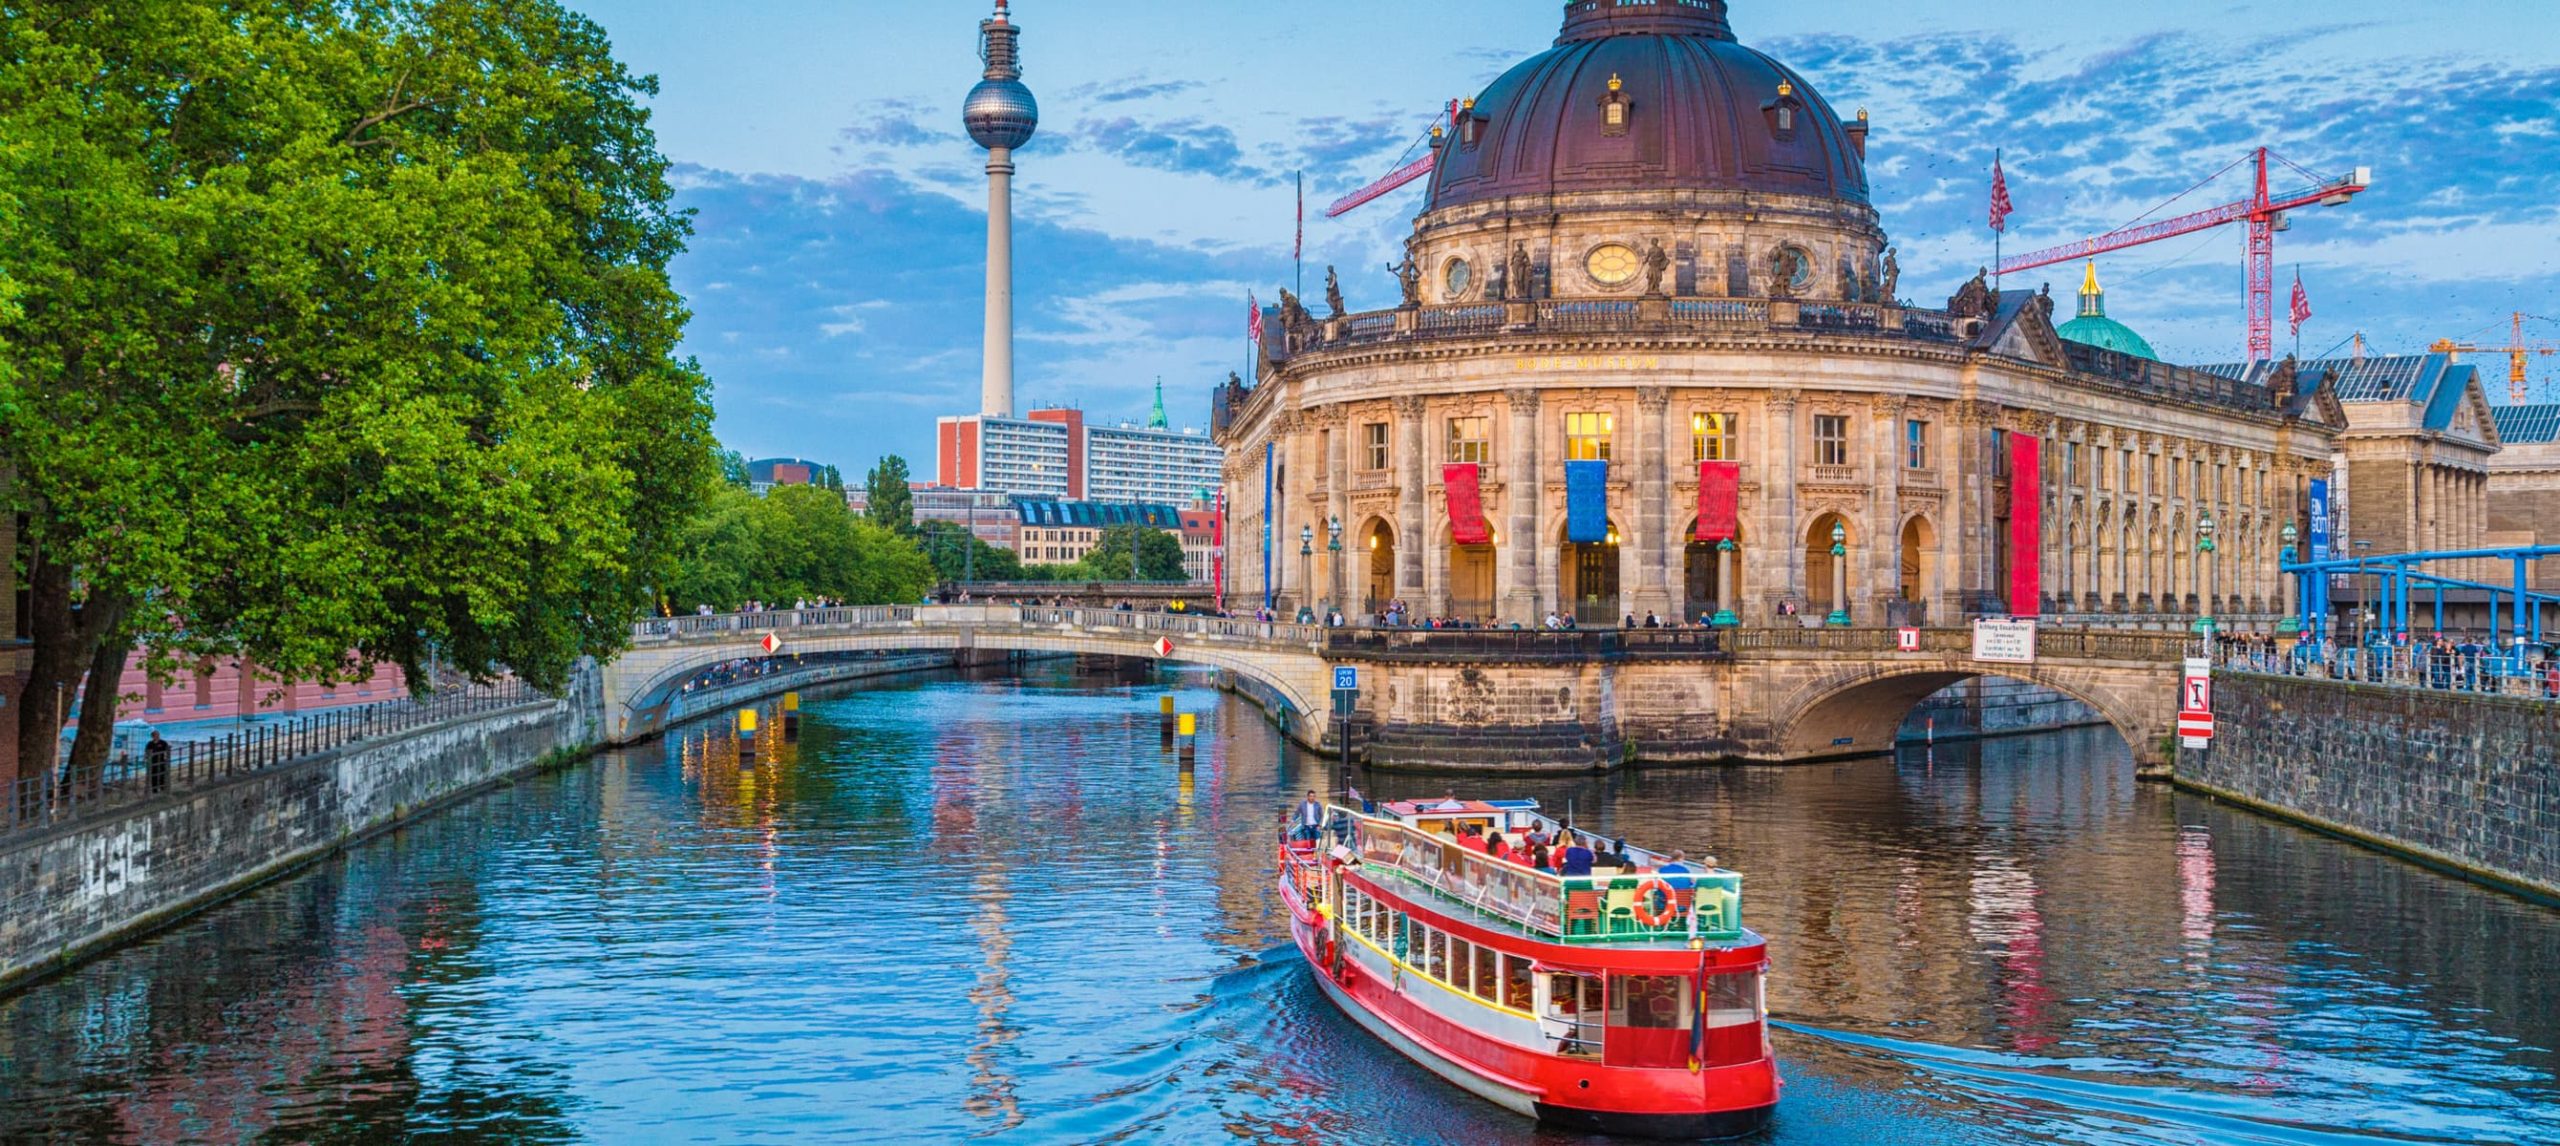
[(1000, 112)]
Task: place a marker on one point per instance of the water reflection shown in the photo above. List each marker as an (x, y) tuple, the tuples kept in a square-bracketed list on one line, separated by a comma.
[(997, 908)]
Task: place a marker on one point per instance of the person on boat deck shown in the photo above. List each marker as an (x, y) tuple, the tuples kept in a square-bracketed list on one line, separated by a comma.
[(1539, 859), (1675, 871), (1310, 816), (1575, 859), (1497, 847)]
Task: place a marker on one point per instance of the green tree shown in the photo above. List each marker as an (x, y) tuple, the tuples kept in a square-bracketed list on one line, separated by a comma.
[(733, 469), (1159, 556), (796, 543), (341, 326), (892, 504), (950, 545)]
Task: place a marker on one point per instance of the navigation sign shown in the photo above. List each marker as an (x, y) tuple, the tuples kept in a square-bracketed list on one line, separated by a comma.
[(1164, 646), (2005, 642), (771, 644), (1907, 640), (1346, 678), (2195, 703)]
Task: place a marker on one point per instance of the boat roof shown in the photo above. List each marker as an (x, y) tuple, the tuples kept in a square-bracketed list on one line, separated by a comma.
[(1455, 807)]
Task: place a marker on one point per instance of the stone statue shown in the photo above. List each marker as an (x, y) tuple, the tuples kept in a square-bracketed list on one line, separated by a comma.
[(2044, 301), (1293, 315), (1333, 291), (1235, 381), (1656, 261), (1782, 274), (2283, 382), (1848, 281), (1408, 279), (1892, 277), (1520, 280), (1974, 299)]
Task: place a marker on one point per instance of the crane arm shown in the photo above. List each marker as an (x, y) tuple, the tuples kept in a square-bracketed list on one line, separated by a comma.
[(2335, 191), (1397, 178)]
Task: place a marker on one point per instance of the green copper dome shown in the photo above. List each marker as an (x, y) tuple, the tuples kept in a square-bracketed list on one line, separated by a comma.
[(2094, 328)]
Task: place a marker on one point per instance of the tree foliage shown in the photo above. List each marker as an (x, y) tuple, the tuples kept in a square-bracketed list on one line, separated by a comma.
[(342, 325), (950, 545), (891, 504), (1159, 557), (798, 542), (733, 469)]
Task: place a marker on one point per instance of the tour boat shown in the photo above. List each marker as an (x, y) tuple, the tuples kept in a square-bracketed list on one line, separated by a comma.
[(1625, 1001)]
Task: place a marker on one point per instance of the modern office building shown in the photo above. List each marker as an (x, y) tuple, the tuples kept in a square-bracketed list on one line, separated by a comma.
[(1053, 453)]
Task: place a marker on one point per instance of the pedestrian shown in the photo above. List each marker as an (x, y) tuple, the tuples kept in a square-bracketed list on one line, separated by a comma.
[(1310, 816), (155, 759)]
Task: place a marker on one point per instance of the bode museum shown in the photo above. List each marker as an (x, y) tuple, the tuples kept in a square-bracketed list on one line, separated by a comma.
[(1654, 357)]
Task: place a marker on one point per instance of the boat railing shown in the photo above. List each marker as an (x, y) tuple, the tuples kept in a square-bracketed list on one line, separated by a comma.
[(1569, 909)]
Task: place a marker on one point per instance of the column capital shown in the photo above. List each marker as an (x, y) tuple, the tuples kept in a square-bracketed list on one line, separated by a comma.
[(1409, 406), (1783, 401), (1521, 401), (1653, 399)]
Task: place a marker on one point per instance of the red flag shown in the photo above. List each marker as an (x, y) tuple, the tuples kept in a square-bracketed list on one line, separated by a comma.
[(2000, 209), (2301, 304), (1253, 318)]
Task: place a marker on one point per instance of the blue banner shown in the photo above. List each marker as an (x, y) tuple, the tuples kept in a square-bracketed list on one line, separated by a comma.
[(1267, 451), (2319, 519), (1586, 502)]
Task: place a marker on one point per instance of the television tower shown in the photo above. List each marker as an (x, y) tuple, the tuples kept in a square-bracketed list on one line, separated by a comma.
[(1001, 116)]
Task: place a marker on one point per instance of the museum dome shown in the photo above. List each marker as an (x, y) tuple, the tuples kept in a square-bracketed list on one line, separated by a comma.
[(2092, 327), (1649, 94)]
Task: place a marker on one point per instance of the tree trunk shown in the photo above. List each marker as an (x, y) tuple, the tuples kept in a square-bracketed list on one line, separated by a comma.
[(53, 668), (98, 700)]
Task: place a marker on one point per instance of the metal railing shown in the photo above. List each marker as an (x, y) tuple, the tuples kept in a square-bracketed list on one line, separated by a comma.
[(1570, 909), (2531, 674), (715, 624), (1522, 645), (75, 793)]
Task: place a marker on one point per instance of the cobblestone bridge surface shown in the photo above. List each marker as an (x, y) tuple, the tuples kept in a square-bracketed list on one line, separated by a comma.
[(1479, 699)]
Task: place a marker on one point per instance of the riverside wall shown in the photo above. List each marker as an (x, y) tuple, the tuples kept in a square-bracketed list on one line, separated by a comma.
[(2461, 781)]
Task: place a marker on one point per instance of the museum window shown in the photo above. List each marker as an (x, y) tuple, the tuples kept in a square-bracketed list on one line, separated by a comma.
[(2070, 463), (2127, 485), (1999, 453), (1586, 436), (1915, 444), (2199, 483), (1712, 438), (1831, 439), (1373, 439), (1467, 440)]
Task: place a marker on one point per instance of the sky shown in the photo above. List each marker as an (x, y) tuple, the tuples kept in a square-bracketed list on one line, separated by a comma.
[(836, 271)]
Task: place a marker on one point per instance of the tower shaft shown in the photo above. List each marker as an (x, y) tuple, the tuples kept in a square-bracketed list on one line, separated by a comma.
[(996, 379)]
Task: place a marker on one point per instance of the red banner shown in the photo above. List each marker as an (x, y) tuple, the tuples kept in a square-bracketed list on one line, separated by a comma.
[(1719, 500), (2026, 526), (1466, 505)]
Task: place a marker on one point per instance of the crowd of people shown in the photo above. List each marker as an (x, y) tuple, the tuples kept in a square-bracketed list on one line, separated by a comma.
[(2462, 662)]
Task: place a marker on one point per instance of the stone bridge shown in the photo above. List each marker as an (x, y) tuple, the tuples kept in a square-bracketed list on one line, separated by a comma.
[(1481, 699)]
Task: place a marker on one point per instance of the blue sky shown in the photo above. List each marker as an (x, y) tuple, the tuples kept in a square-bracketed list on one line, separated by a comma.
[(835, 275)]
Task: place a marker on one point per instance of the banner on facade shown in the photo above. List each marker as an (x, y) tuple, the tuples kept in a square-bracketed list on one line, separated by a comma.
[(1466, 504), (1719, 500), (2319, 519), (1586, 502), (2026, 527)]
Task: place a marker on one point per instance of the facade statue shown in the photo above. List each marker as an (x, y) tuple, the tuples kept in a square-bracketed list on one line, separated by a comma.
[(1293, 314), (1782, 273), (1333, 291), (1520, 279), (1974, 299), (1892, 277), (2044, 301), (2283, 382), (1848, 281), (1656, 261)]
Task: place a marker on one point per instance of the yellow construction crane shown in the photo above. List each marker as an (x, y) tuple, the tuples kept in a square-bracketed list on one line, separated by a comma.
[(2516, 351)]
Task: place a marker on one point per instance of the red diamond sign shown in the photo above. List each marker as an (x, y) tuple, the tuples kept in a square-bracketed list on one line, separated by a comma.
[(771, 644), (1164, 646)]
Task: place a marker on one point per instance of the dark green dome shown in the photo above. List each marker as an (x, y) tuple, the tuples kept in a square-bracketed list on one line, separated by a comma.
[(2094, 328)]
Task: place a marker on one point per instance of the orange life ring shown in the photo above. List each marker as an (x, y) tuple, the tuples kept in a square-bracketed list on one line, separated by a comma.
[(1644, 912)]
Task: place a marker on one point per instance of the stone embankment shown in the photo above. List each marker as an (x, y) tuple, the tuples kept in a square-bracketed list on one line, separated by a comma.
[(2462, 781)]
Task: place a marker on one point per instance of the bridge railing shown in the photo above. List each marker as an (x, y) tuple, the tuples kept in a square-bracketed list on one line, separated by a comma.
[(1521, 645), (1172, 624), (2059, 643), (721, 624), (2114, 645)]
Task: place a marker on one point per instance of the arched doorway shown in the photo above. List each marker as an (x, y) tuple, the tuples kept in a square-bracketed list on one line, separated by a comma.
[(1471, 579), (1700, 576), (1380, 541), (1590, 573), (1918, 572), (1820, 568)]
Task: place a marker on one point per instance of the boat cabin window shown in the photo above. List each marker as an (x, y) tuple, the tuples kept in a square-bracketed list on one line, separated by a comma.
[(1735, 1023), (1650, 1019), (1572, 1014), (1461, 964), (1435, 953), (1518, 991), (1488, 973)]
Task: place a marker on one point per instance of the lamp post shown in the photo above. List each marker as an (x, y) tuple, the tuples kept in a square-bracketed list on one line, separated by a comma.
[(1725, 618), (1307, 565), (2292, 620), (2213, 576), (1839, 576), (1333, 559)]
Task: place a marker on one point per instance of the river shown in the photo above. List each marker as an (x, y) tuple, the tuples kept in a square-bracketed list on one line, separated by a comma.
[(992, 908)]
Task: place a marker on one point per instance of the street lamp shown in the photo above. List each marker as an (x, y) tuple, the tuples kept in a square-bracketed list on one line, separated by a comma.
[(1307, 563), (1332, 560), (2213, 572), (1725, 618), (1839, 575), (2292, 620)]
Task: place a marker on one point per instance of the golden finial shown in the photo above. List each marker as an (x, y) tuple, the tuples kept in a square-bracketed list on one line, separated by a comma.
[(1615, 83), (2089, 280), (1862, 115), (1785, 88)]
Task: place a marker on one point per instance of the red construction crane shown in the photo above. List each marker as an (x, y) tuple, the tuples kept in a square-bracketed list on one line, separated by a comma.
[(1400, 176), (2263, 212), (2516, 350)]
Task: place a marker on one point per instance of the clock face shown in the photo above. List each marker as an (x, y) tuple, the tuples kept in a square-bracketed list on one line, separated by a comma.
[(1797, 266), (1458, 278), (1612, 264)]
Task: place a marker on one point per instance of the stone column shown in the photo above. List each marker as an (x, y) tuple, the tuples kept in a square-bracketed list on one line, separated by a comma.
[(1883, 566), (1521, 497), (1411, 533), (1774, 553), (1337, 487), (1651, 533)]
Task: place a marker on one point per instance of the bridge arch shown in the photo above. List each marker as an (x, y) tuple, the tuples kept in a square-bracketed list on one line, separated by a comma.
[(1856, 711)]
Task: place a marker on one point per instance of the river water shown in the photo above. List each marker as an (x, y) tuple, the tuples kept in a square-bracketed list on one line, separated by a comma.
[(992, 908)]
